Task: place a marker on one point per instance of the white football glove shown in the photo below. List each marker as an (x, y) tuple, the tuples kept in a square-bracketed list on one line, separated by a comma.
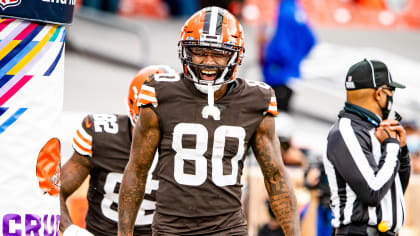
[(74, 230)]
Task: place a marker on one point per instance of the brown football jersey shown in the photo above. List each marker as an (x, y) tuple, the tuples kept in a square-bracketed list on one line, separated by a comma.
[(201, 159), (105, 140)]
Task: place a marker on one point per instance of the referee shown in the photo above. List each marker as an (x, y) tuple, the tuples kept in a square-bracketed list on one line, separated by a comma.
[(367, 159)]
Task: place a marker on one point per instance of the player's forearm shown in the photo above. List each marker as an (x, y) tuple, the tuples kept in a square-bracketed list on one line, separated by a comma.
[(73, 174), (266, 148), (65, 219), (145, 141), (130, 197), (283, 202)]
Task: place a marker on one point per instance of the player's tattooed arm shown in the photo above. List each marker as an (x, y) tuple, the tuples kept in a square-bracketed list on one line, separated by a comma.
[(73, 173), (266, 147), (146, 138)]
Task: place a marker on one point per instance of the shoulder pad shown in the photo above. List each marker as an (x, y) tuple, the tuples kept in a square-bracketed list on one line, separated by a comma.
[(267, 92), (82, 139)]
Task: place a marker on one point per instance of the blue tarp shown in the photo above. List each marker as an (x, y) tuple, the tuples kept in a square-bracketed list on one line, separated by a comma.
[(292, 41)]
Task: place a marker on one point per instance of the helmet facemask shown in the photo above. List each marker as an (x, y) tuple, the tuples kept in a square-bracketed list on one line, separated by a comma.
[(195, 72)]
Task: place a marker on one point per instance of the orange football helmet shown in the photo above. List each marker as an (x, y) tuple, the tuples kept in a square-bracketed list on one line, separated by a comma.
[(214, 28), (48, 167), (133, 92)]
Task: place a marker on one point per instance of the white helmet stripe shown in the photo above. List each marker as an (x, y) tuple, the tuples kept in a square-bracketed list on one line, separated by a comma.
[(213, 20)]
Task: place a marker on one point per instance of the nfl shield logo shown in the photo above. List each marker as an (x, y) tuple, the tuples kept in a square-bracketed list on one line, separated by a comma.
[(9, 3)]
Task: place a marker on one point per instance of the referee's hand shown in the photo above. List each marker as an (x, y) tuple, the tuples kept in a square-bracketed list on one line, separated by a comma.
[(384, 132), (397, 127)]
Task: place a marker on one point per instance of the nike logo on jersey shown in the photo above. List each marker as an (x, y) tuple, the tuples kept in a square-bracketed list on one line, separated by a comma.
[(88, 123)]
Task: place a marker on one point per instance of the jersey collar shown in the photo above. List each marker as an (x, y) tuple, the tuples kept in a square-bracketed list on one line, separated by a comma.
[(363, 113)]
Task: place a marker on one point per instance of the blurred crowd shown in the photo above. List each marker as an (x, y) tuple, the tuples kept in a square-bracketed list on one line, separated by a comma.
[(413, 143), (160, 8), (364, 13)]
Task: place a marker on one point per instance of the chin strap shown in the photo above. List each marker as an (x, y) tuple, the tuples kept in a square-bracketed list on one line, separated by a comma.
[(210, 110)]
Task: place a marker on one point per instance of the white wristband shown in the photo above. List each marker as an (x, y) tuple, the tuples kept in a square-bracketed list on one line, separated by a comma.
[(74, 230)]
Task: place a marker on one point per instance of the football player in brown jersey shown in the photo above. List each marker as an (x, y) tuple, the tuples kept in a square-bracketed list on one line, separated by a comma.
[(202, 123), (101, 150)]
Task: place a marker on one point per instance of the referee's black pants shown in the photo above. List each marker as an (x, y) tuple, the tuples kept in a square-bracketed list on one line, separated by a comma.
[(360, 230)]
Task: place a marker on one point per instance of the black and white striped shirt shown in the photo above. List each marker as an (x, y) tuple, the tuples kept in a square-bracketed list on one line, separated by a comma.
[(367, 179)]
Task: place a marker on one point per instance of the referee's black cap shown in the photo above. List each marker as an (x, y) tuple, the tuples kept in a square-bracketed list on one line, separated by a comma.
[(369, 74)]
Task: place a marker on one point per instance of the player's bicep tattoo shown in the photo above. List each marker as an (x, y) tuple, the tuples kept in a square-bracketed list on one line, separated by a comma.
[(145, 139)]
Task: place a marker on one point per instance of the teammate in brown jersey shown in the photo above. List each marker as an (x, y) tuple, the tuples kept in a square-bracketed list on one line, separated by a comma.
[(202, 123), (101, 150)]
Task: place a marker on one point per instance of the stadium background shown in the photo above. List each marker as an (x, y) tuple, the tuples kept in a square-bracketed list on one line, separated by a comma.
[(105, 50)]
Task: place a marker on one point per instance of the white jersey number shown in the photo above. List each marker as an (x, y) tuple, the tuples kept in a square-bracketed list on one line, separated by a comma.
[(107, 123), (257, 83), (169, 77), (111, 196), (197, 154)]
